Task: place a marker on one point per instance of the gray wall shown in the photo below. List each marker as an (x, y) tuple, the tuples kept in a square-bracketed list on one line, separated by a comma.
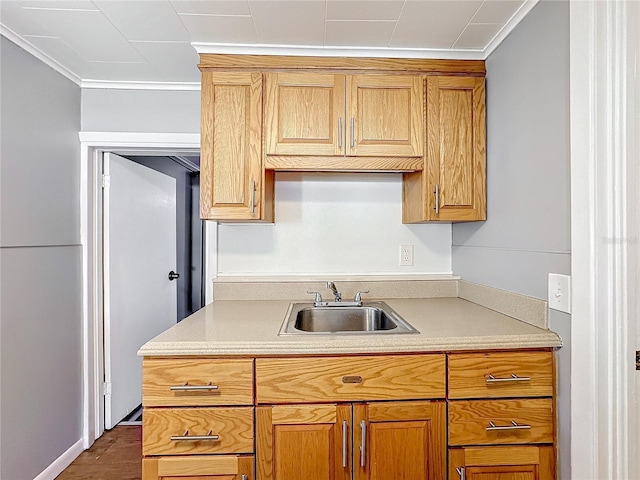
[(40, 265), (527, 232)]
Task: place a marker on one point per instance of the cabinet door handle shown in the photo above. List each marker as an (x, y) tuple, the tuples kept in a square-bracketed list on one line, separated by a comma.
[(460, 471), (252, 207), (193, 388), (514, 426), (340, 133), (513, 378), (437, 194), (353, 132), (345, 445), (363, 443), (195, 438), (244, 477)]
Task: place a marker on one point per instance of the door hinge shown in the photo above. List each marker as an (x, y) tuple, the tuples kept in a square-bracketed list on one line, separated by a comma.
[(106, 181), (106, 388)]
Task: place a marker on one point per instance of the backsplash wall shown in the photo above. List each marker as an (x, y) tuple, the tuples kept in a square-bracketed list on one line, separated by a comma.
[(328, 223)]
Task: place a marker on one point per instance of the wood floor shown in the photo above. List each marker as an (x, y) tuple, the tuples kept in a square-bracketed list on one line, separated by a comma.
[(116, 455)]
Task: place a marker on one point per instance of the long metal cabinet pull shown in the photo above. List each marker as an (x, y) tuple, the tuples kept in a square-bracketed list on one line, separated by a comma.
[(244, 477), (340, 133), (460, 471), (193, 388), (252, 207), (353, 132), (194, 438), (514, 426), (363, 443), (345, 445), (437, 193), (513, 378)]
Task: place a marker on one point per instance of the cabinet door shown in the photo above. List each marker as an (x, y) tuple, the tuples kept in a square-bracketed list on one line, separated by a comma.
[(198, 467), (502, 463), (456, 142), (304, 441), (231, 186), (304, 114), (385, 116), (400, 441)]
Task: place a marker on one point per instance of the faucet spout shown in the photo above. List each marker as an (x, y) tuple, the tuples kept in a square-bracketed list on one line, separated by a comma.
[(336, 294)]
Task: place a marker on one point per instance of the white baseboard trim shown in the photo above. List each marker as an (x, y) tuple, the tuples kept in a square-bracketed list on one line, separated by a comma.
[(62, 462)]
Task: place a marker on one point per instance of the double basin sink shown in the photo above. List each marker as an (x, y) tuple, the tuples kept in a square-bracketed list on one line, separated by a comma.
[(367, 318)]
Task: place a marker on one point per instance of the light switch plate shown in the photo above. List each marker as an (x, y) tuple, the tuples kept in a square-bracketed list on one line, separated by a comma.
[(560, 292)]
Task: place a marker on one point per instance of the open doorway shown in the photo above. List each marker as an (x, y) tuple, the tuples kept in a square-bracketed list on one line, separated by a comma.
[(152, 264)]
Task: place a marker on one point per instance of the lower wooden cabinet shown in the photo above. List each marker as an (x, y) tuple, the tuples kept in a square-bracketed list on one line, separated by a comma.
[(502, 463), (375, 441), (198, 467)]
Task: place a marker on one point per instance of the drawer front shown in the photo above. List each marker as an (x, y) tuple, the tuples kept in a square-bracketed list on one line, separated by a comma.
[(168, 382), (499, 375), (201, 467), (178, 431), (343, 379), (493, 422)]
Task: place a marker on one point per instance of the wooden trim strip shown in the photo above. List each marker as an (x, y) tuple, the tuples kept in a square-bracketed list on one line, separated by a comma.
[(343, 164)]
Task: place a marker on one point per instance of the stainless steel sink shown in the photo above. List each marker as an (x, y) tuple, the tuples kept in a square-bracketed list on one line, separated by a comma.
[(370, 318)]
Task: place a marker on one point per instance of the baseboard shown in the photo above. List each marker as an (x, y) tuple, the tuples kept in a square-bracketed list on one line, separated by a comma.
[(62, 462)]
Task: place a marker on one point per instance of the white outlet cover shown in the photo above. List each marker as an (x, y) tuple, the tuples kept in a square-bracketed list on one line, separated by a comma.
[(559, 293)]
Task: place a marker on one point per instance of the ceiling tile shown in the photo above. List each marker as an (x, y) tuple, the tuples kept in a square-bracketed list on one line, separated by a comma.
[(360, 34), (89, 33), (364, 10), (57, 4), (289, 23), (18, 20), (432, 24), (176, 62), (220, 29), (496, 11), (212, 7), (140, 20), (121, 72), (63, 54), (477, 36)]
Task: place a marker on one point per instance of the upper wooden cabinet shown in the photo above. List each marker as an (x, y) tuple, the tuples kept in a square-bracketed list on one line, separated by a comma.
[(324, 115), (452, 187), (233, 184)]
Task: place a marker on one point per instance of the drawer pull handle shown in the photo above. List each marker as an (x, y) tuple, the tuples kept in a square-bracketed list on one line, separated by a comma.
[(193, 388), (195, 438), (513, 378), (514, 426), (352, 379)]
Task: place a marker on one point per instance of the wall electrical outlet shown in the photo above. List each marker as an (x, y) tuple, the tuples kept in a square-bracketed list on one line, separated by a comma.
[(560, 292), (406, 255)]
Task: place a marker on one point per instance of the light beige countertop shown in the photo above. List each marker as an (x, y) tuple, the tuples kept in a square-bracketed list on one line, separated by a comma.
[(250, 327)]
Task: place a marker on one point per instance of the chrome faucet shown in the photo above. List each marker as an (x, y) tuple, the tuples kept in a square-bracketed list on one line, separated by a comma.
[(336, 294)]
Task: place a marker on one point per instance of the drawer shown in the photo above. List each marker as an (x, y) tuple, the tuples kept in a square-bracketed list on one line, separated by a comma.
[(176, 431), (344, 379), (500, 375), (168, 382), (493, 422), (201, 467)]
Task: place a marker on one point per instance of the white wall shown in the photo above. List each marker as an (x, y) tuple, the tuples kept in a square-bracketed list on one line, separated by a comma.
[(527, 234), (40, 254), (333, 224)]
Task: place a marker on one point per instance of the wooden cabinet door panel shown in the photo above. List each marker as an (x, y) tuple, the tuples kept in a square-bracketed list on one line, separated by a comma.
[(502, 463), (304, 114), (231, 170), (304, 441), (387, 115), (400, 441), (198, 468), (456, 142)]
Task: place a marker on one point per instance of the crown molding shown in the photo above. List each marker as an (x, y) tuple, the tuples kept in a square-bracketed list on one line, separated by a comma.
[(39, 54), (132, 85), (509, 26), (357, 52)]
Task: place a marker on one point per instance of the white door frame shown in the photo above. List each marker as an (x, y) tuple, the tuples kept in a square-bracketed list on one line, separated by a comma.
[(604, 237), (92, 144)]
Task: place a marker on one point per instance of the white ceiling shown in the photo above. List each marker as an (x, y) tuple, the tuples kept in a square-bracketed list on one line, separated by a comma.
[(152, 41)]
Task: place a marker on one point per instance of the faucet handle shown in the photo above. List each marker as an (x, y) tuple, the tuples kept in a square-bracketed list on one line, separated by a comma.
[(317, 294), (358, 297)]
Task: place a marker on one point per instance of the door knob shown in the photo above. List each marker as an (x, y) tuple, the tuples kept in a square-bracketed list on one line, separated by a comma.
[(173, 275)]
